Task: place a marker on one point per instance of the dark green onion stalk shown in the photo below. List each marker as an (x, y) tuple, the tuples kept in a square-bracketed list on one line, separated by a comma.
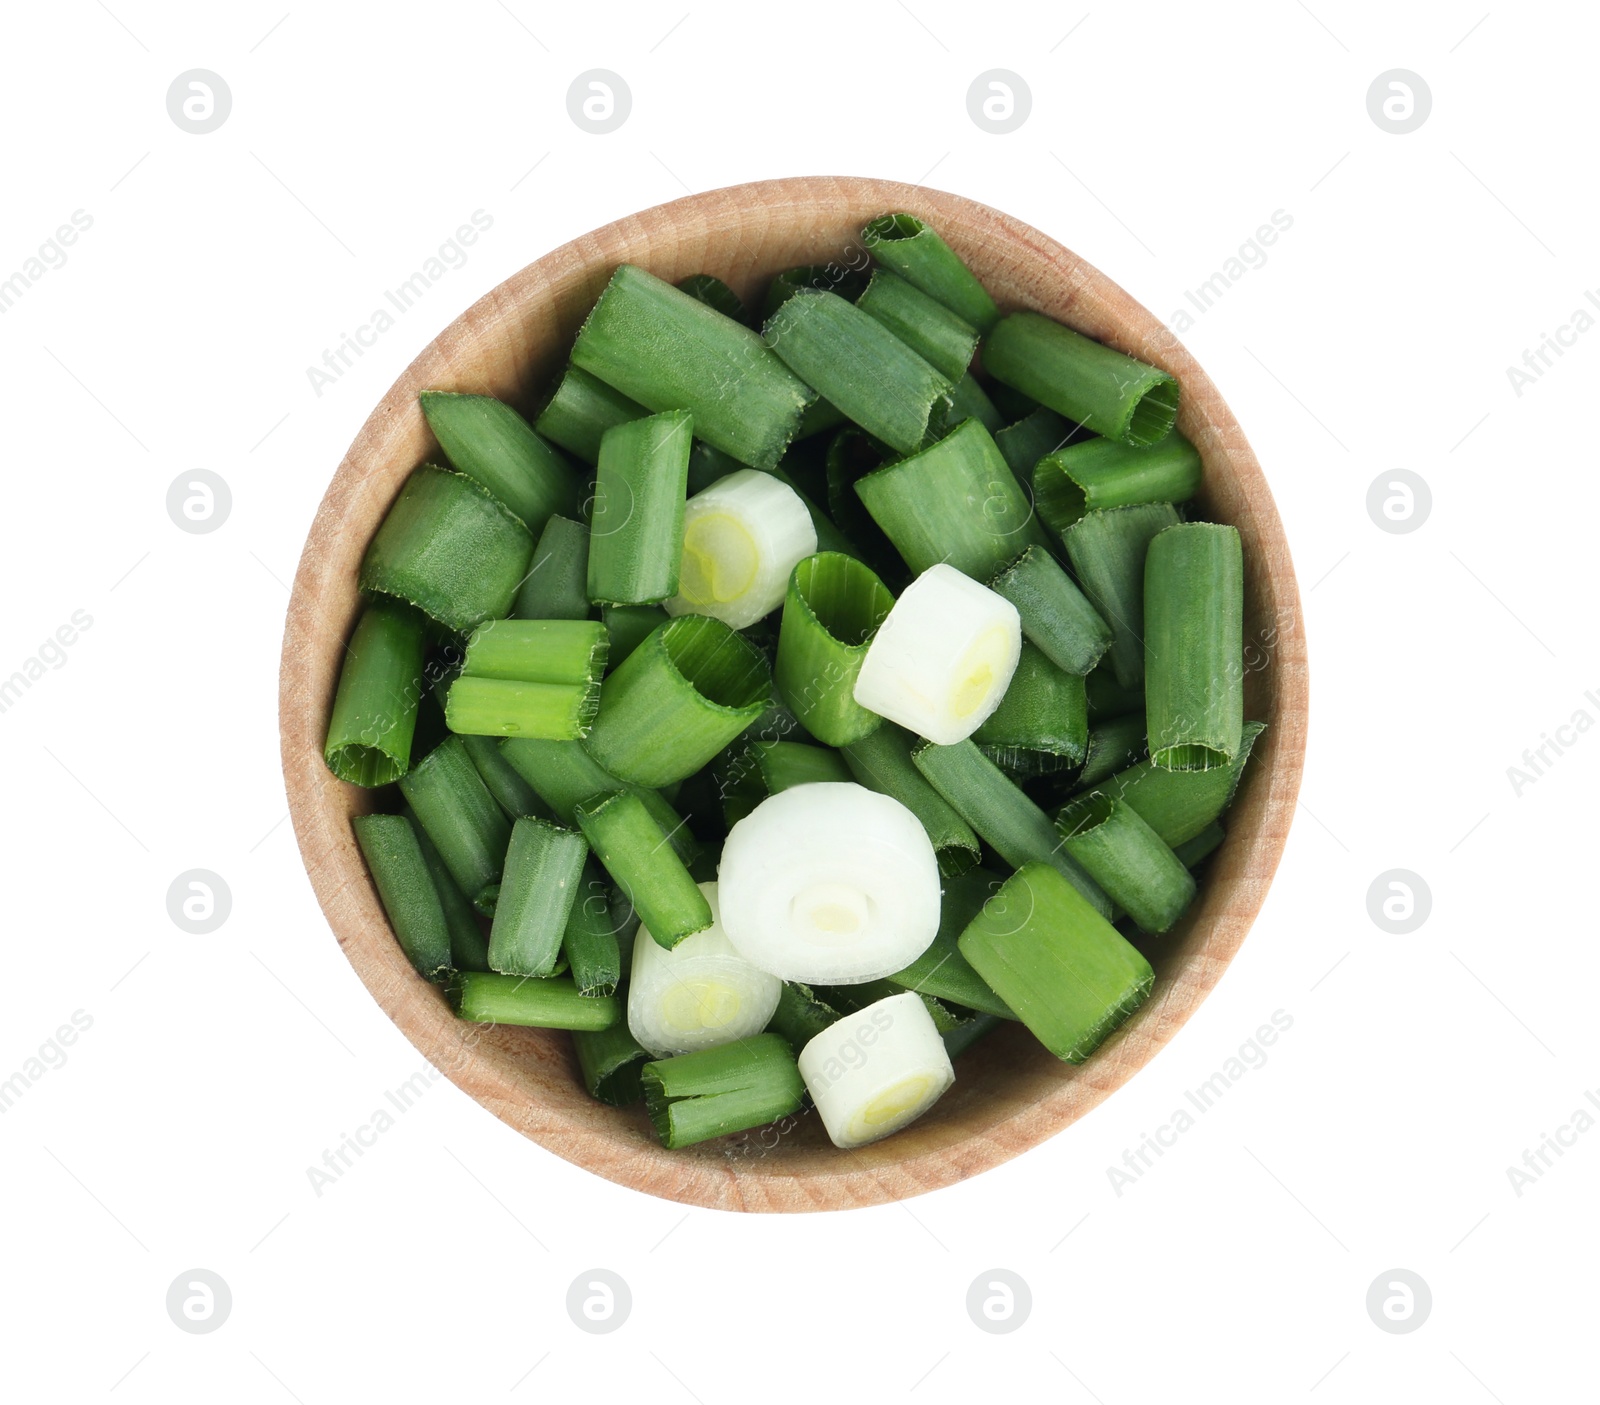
[(1127, 858), (580, 410), (714, 293), (636, 536), (929, 328), (543, 872), (1043, 710), (469, 945), (492, 444), (910, 248), (400, 873), (1114, 743), (627, 840), (1178, 805), (1102, 473), (556, 586), (611, 1060), (1056, 616), (1107, 551), (380, 685), (589, 941), (882, 762), (462, 818)]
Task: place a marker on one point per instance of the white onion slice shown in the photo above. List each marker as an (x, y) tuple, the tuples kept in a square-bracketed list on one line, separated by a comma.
[(877, 1070), (943, 659), (829, 883), (700, 994)]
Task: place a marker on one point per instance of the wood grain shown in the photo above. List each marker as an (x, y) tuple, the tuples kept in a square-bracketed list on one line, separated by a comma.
[(1010, 1094)]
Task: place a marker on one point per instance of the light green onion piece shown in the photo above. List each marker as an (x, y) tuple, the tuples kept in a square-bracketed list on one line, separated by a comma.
[(1103, 390), (1113, 744), (556, 586), (732, 1088), (537, 651), (462, 818), (580, 410), (636, 536), (486, 997), (929, 328), (881, 761), (492, 444), (375, 709), (942, 971), (714, 293), (911, 248), (628, 626), (400, 873), (1056, 616), (544, 869), (627, 840), (1027, 441), (610, 1060), (469, 946), (589, 941), (1043, 710), (1179, 804), (1102, 473), (508, 707), (833, 608), (1107, 551), (1127, 858)]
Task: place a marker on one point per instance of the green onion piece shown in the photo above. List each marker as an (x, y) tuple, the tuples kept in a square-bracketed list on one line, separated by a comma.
[(1194, 646), (610, 1060), (800, 1015), (628, 626), (513, 794), (908, 246), (1027, 441), (857, 364), (627, 840), (1103, 390), (1113, 744), (375, 710), (930, 329), (851, 999), (955, 502), (507, 707), (669, 352), (1107, 697), (1017, 829), (677, 700), (556, 586), (1069, 974), (1107, 550), (958, 1040), (1012, 403), (882, 762), (493, 445), (852, 454), (819, 415), (714, 293), (1179, 804), (1102, 473), (817, 277), (833, 608), (400, 873), (970, 401), (462, 818), (488, 997), (942, 971), (731, 1088), (469, 947), (1056, 616), (1127, 858), (580, 411), (636, 538), (589, 941), (544, 866), (1044, 709), (785, 764), (1192, 851), (537, 651)]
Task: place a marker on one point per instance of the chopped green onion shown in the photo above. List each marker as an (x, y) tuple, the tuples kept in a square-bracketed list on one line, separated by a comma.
[(581, 410), (375, 710), (469, 947), (819, 415), (544, 866), (508, 707), (714, 293), (400, 873), (493, 445), (627, 840), (1012, 403), (537, 651), (589, 941), (1043, 710), (513, 794), (731, 1088), (1193, 851), (911, 248), (747, 773), (833, 608), (448, 548), (851, 999), (1103, 390), (877, 1070), (1179, 804), (969, 401), (669, 352), (489, 997), (1102, 473), (1017, 829), (677, 700), (741, 538), (1055, 614), (956, 502), (857, 364), (929, 328), (1107, 550), (848, 283), (801, 1014), (1113, 744), (942, 971), (882, 762), (610, 1060), (1107, 697), (556, 586), (636, 537), (1127, 858), (1027, 441), (462, 818), (941, 661), (1194, 646), (853, 453), (628, 626), (1069, 974)]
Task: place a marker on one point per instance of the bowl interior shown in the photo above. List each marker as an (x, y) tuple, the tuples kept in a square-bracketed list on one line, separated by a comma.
[(1010, 1093)]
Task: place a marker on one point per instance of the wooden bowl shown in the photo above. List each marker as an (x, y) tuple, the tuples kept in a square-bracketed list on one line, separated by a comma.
[(1010, 1094)]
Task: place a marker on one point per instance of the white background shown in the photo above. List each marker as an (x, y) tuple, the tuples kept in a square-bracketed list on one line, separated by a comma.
[(1377, 336)]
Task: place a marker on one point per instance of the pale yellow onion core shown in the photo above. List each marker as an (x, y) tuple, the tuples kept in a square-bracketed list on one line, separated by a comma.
[(720, 559), (700, 1004), (976, 671), (893, 1102)]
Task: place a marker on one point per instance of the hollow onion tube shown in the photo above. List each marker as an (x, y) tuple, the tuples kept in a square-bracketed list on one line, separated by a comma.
[(1101, 473), (1069, 974), (469, 948), (1127, 858), (610, 1061), (468, 828), (627, 840), (677, 700), (511, 792), (1043, 710), (731, 1088), (955, 503), (714, 293), (882, 762), (491, 443), (508, 707), (406, 888), (942, 971), (831, 884), (928, 327), (877, 1070), (698, 994), (1027, 441), (1107, 550), (669, 352), (580, 410), (537, 651), (449, 548), (489, 997), (969, 401), (913, 250), (833, 608), (544, 867), (1103, 390), (375, 709), (1017, 829), (556, 586), (1179, 804), (942, 660), (636, 535), (857, 364), (1056, 615), (1113, 744), (589, 941), (741, 538), (1194, 646)]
